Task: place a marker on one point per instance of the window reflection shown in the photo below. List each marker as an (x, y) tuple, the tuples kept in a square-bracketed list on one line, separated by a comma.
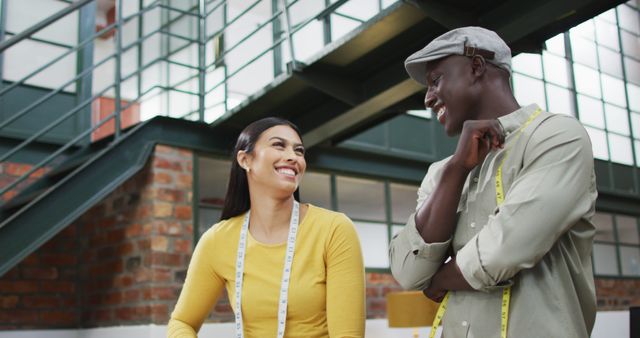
[(604, 259), (610, 62), (361, 199), (620, 149), (374, 240), (584, 52), (529, 64), (599, 143), (617, 119), (560, 100), (613, 90), (403, 201), (528, 90), (316, 189), (590, 111), (556, 70)]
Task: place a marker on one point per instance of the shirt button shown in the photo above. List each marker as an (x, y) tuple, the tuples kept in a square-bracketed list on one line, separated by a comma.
[(475, 180), (465, 323), (473, 224)]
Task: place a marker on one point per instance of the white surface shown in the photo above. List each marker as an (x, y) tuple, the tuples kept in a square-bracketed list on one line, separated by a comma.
[(609, 324)]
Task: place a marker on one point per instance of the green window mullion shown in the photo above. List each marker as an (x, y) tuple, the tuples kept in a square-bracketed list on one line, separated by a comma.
[(334, 193), (617, 244), (388, 213)]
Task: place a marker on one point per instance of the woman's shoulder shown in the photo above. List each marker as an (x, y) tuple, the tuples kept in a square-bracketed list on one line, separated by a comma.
[(320, 213), (224, 228)]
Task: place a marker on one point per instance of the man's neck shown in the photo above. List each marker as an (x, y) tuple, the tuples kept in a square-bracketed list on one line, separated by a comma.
[(497, 103)]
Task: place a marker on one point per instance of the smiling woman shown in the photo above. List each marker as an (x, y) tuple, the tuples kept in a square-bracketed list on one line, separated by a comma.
[(290, 269)]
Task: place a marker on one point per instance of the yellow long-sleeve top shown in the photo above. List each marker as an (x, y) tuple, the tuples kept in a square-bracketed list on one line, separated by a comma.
[(326, 291)]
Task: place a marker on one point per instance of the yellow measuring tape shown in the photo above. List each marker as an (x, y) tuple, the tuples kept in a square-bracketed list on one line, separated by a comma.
[(506, 292)]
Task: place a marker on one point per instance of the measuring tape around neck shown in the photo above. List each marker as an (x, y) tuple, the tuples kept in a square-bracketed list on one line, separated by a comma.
[(506, 292), (286, 273)]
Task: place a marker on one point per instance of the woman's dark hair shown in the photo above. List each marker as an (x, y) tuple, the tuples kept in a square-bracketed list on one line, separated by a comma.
[(236, 200)]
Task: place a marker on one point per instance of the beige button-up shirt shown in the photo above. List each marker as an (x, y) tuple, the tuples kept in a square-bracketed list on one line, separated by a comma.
[(539, 240)]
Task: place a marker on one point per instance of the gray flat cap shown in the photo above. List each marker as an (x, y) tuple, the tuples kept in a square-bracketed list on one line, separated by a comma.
[(468, 41)]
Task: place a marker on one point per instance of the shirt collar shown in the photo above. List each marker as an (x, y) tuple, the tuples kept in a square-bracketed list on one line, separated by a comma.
[(512, 121)]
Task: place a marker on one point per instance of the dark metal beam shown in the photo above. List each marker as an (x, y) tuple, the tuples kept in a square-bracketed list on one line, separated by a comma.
[(446, 15), (329, 80)]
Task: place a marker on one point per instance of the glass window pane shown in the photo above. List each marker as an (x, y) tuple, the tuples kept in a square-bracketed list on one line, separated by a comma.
[(560, 100), (208, 218), (604, 259), (608, 16), (617, 119), (403, 201), (634, 92), (629, 19), (529, 64), (587, 80), (556, 44), (630, 44), (620, 149), (610, 62), (308, 41), (375, 244), (627, 229), (556, 70), (607, 34), (316, 189), (630, 257), (604, 227), (213, 177), (599, 143), (341, 26), (585, 30), (590, 111), (359, 9), (528, 90), (614, 92), (361, 199), (584, 52), (635, 124), (632, 69)]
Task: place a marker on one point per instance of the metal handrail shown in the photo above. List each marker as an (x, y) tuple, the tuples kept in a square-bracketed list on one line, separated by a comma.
[(55, 154), (42, 24), (199, 12)]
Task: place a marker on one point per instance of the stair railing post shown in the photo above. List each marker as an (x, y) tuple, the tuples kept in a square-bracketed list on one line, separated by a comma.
[(118, 76), (285, 8), (202, 41), (84, 86)]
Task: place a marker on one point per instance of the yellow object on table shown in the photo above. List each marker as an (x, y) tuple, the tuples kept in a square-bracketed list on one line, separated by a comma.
[(410, 309)]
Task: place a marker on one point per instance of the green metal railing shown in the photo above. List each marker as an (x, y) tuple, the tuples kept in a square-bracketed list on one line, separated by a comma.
[(202, 11)]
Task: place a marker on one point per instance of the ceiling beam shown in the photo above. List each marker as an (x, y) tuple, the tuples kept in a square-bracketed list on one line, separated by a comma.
[(446, 15)]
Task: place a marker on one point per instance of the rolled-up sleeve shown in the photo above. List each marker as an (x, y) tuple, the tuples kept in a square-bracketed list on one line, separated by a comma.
[(413, 261), (553, 190)]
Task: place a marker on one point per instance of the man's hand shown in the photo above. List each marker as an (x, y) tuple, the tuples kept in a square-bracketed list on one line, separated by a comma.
[(478, 137), (449, 277)]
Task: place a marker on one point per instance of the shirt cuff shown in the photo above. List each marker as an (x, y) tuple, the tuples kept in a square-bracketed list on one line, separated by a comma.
[(470, 264), (429, 251)]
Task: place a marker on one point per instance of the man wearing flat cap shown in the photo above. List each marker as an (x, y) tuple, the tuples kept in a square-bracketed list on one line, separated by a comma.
[(511, 207)]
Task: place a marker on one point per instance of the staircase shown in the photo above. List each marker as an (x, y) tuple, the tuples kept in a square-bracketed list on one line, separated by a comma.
[(354, 80)]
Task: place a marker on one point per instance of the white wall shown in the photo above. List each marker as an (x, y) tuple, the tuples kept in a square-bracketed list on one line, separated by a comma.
[(610, 324)]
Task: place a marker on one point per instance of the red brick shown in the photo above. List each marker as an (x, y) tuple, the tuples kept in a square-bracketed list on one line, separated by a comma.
[(122, 281), (182, 246), (32, 259), (20, 286), (18, 316), (58, 318), (131, 296), (40, 273), (8, 302), (159, 243), (161, 178), (16, 169), (169, 228), (125, 249), (160, 312), (162, 149), (163, 163), (40, 301), (184, 212), (116, 235), (113, 298), (162, 209), (58, 286), (161, 275), (59, 259), (133, 230), (163, 259), (170, 195), (185, 181)]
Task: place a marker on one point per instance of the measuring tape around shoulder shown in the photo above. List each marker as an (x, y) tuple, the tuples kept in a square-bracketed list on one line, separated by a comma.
[(506, 292)]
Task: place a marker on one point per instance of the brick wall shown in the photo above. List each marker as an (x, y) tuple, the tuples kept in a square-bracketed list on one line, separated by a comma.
[(122, 263), (617, 294), (11, 171)]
